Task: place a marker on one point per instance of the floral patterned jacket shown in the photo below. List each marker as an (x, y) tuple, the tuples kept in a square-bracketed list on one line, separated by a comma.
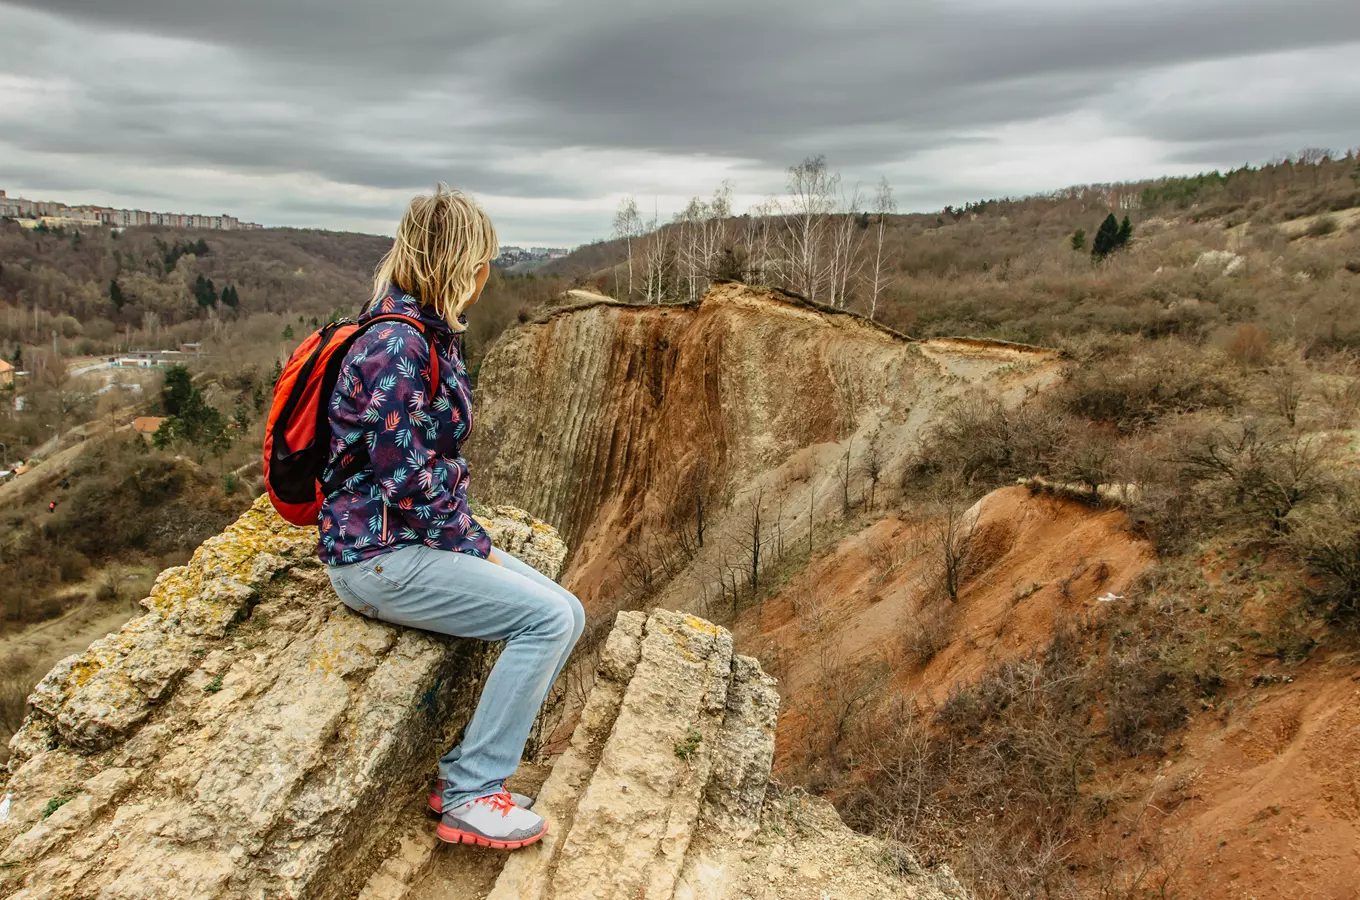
[(414, 490)]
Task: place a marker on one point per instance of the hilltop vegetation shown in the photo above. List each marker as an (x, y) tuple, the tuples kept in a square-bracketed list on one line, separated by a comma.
[(1009, 269)]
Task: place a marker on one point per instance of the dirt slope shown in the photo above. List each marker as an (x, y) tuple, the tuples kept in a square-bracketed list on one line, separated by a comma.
[(1257, 798), (1269, 805), (856, 612)]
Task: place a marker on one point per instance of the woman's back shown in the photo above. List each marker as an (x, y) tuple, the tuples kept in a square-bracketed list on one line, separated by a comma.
[(414, 488)]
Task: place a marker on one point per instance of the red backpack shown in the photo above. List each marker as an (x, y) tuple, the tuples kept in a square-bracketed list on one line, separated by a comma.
[(297, 438)]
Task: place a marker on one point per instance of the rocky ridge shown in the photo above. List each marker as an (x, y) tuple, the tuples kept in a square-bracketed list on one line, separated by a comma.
[(616, 423), (250, 737)]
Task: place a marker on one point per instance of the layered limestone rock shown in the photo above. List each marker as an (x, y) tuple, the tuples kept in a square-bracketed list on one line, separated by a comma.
[(248, 736), (662, 793)]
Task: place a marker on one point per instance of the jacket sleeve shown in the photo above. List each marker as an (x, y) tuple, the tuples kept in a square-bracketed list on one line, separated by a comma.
[(389, 377)]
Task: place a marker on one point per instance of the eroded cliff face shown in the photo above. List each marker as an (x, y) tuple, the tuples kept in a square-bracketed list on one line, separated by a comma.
[(616, 423)]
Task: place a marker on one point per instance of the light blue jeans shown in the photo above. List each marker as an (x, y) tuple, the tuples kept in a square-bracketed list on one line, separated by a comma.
[(467, 596)]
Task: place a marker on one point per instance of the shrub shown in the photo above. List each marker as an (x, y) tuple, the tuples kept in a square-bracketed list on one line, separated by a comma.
[(1326, 536), (929, 632), (1249, 345), (981, 441), (1133, 389), (1322, 226)]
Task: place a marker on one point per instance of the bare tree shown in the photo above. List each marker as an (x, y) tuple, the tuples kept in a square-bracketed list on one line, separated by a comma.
[(628, 225), (884, 205), (762, 263), (812, 188), (954, 530), (755, 541), (844, 250), (658, 261), (812, 512), (844, 476), (701, 229), (871, 465)]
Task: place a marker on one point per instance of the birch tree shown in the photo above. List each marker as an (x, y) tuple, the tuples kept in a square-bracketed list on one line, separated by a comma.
[(844, 250), (761, 262), (811, 191), (657, 259), (628, 225), (884, 205)]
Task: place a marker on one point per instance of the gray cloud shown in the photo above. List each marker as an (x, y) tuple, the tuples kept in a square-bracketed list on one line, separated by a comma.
[(327, 112)]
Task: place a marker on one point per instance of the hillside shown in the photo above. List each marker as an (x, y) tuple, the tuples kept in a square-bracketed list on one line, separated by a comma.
[(979, 674), (660, 423), (1008, 268), (1131, 674), (100, 510)]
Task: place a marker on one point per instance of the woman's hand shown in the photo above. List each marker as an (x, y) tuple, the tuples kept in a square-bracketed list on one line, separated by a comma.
[(491, 557)]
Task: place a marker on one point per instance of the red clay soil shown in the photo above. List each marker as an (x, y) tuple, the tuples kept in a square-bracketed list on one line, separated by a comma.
[(1037, 561), (1261, 801), (1269, 805)]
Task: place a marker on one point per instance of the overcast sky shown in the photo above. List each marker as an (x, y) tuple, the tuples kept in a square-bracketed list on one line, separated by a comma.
[(331, 113)]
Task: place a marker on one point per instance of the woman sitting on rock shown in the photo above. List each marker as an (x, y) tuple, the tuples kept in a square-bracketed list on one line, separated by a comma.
[(397, 537)]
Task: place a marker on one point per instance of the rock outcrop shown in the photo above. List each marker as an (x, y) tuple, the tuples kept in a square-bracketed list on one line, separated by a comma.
[(616, 422), (248, 736), (662, 793)]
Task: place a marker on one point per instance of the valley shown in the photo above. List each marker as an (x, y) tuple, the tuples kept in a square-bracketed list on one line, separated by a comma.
[(1053, 558)]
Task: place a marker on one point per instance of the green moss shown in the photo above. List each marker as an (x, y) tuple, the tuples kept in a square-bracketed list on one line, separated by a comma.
[(55, 804), (690, 745)]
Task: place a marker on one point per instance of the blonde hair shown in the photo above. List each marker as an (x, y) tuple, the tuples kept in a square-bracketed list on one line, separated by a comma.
[(443, 239)]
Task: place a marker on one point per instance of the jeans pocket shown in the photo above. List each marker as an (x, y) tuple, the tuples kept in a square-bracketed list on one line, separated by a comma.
[(394, 569)]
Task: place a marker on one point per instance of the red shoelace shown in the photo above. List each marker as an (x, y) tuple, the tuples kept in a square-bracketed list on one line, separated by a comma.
[(500, 802)]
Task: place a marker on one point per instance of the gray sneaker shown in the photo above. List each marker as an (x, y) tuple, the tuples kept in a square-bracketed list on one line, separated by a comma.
[(493, 821)]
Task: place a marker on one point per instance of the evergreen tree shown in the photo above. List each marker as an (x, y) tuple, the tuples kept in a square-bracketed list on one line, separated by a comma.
[(204, 291), (1125, 232), (241, 417), (229, 297), (177, 391), (1107, 238), (189, 417), (288, 332), (201, 248), (1079, 239), (116, 294)]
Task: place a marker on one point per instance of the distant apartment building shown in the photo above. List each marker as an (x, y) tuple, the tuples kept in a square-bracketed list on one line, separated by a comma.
[(512, 255), (56, 214)]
